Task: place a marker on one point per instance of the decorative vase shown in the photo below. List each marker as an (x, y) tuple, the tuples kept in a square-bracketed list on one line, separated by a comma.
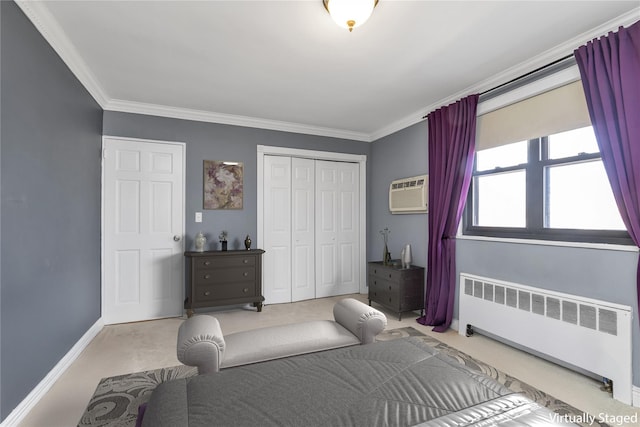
[(247, 242), (224, 245), (200, 242), (386, 256), (406, 257)]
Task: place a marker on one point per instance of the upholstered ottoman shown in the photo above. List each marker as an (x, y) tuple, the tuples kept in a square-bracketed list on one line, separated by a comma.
[(202, 344)]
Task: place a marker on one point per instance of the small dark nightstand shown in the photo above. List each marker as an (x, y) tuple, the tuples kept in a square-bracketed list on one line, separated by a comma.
[(398, 289)]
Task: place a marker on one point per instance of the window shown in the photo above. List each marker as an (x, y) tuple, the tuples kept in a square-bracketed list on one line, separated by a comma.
[(500, 186), (548, 188)]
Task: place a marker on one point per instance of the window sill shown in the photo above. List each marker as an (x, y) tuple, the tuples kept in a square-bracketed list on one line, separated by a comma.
[(584, 245)]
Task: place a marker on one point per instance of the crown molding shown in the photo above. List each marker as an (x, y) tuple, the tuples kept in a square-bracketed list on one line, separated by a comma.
[(514, 72), (46, 24), (403, 123), (123, 106)]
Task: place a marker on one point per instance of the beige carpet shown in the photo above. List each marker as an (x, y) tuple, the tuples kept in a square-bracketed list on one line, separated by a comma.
[(116, 399)]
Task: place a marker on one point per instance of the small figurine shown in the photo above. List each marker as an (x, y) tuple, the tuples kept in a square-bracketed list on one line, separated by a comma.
[(247, 242), (223, 240)]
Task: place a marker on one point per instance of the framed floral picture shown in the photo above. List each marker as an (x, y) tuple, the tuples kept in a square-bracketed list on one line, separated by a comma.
[(223, 185)]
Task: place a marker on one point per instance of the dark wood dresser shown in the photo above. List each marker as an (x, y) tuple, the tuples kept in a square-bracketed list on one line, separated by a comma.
[(398, 289), (216, 278)]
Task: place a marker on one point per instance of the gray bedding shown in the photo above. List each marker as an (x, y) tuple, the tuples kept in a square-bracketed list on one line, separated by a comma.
[(395, 383)]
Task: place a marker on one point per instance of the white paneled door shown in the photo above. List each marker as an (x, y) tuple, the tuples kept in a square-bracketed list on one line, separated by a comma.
[(277, 234), (337, 228), (303, 285), (143, 227)]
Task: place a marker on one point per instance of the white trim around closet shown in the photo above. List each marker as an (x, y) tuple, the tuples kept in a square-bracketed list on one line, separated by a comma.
[(361, 159)]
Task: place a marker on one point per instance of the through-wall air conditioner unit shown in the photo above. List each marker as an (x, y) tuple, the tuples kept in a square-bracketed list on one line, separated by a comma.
[(409, 195)]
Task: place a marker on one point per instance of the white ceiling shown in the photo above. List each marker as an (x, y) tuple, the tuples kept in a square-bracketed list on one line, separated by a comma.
[(285, 65)]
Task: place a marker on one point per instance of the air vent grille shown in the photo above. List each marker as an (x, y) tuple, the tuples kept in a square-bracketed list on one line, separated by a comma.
[(537, 304), (580, 314), (608, 321), (553, 308), (588, 316), (570, 312)]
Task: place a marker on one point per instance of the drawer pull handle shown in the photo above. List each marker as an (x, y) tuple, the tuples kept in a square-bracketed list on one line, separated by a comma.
[(375, 271), (207, 276), (246, 261), (206, 294), (245, 274), (207, 263), (246, 290), (389, 287), (389, 275)]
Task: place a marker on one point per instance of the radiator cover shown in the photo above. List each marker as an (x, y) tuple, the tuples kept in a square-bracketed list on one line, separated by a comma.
[(590, 334)]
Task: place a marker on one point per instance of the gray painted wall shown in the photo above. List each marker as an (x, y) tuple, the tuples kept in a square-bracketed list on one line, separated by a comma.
[(400, 155), (50, 208), (210, 141)]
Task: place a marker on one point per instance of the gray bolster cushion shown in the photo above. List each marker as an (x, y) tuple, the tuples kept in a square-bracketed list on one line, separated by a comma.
[(360, 319), (201, 343)]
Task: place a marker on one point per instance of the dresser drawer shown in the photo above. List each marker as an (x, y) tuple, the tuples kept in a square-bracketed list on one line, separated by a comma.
[(382, 285), (385, 298), (224, 275), (384, 292), (385, 273), (206, 263), (224, 291)]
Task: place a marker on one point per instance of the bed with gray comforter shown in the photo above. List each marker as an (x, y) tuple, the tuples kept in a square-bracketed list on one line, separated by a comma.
[(403, 382)]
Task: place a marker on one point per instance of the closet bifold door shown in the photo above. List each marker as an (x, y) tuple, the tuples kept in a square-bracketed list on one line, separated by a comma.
[(302, 229), (311, 229), (277, 233), (337, 228)]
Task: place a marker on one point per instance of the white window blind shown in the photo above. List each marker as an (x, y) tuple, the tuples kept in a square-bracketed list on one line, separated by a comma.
[(557, 110)]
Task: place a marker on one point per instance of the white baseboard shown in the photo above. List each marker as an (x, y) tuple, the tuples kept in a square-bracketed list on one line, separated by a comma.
[(454, 325), (27, 404)]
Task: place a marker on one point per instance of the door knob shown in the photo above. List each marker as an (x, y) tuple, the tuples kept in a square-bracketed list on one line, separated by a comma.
[(176, 238)]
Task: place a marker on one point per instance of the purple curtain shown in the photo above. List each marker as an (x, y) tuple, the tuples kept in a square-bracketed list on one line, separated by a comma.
[(452, 136), (610, 71)]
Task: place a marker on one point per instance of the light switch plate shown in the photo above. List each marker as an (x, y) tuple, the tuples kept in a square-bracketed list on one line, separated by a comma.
[(198, 216)]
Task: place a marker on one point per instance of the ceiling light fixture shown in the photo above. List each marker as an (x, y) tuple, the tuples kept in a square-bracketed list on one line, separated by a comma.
[(350, 14)]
